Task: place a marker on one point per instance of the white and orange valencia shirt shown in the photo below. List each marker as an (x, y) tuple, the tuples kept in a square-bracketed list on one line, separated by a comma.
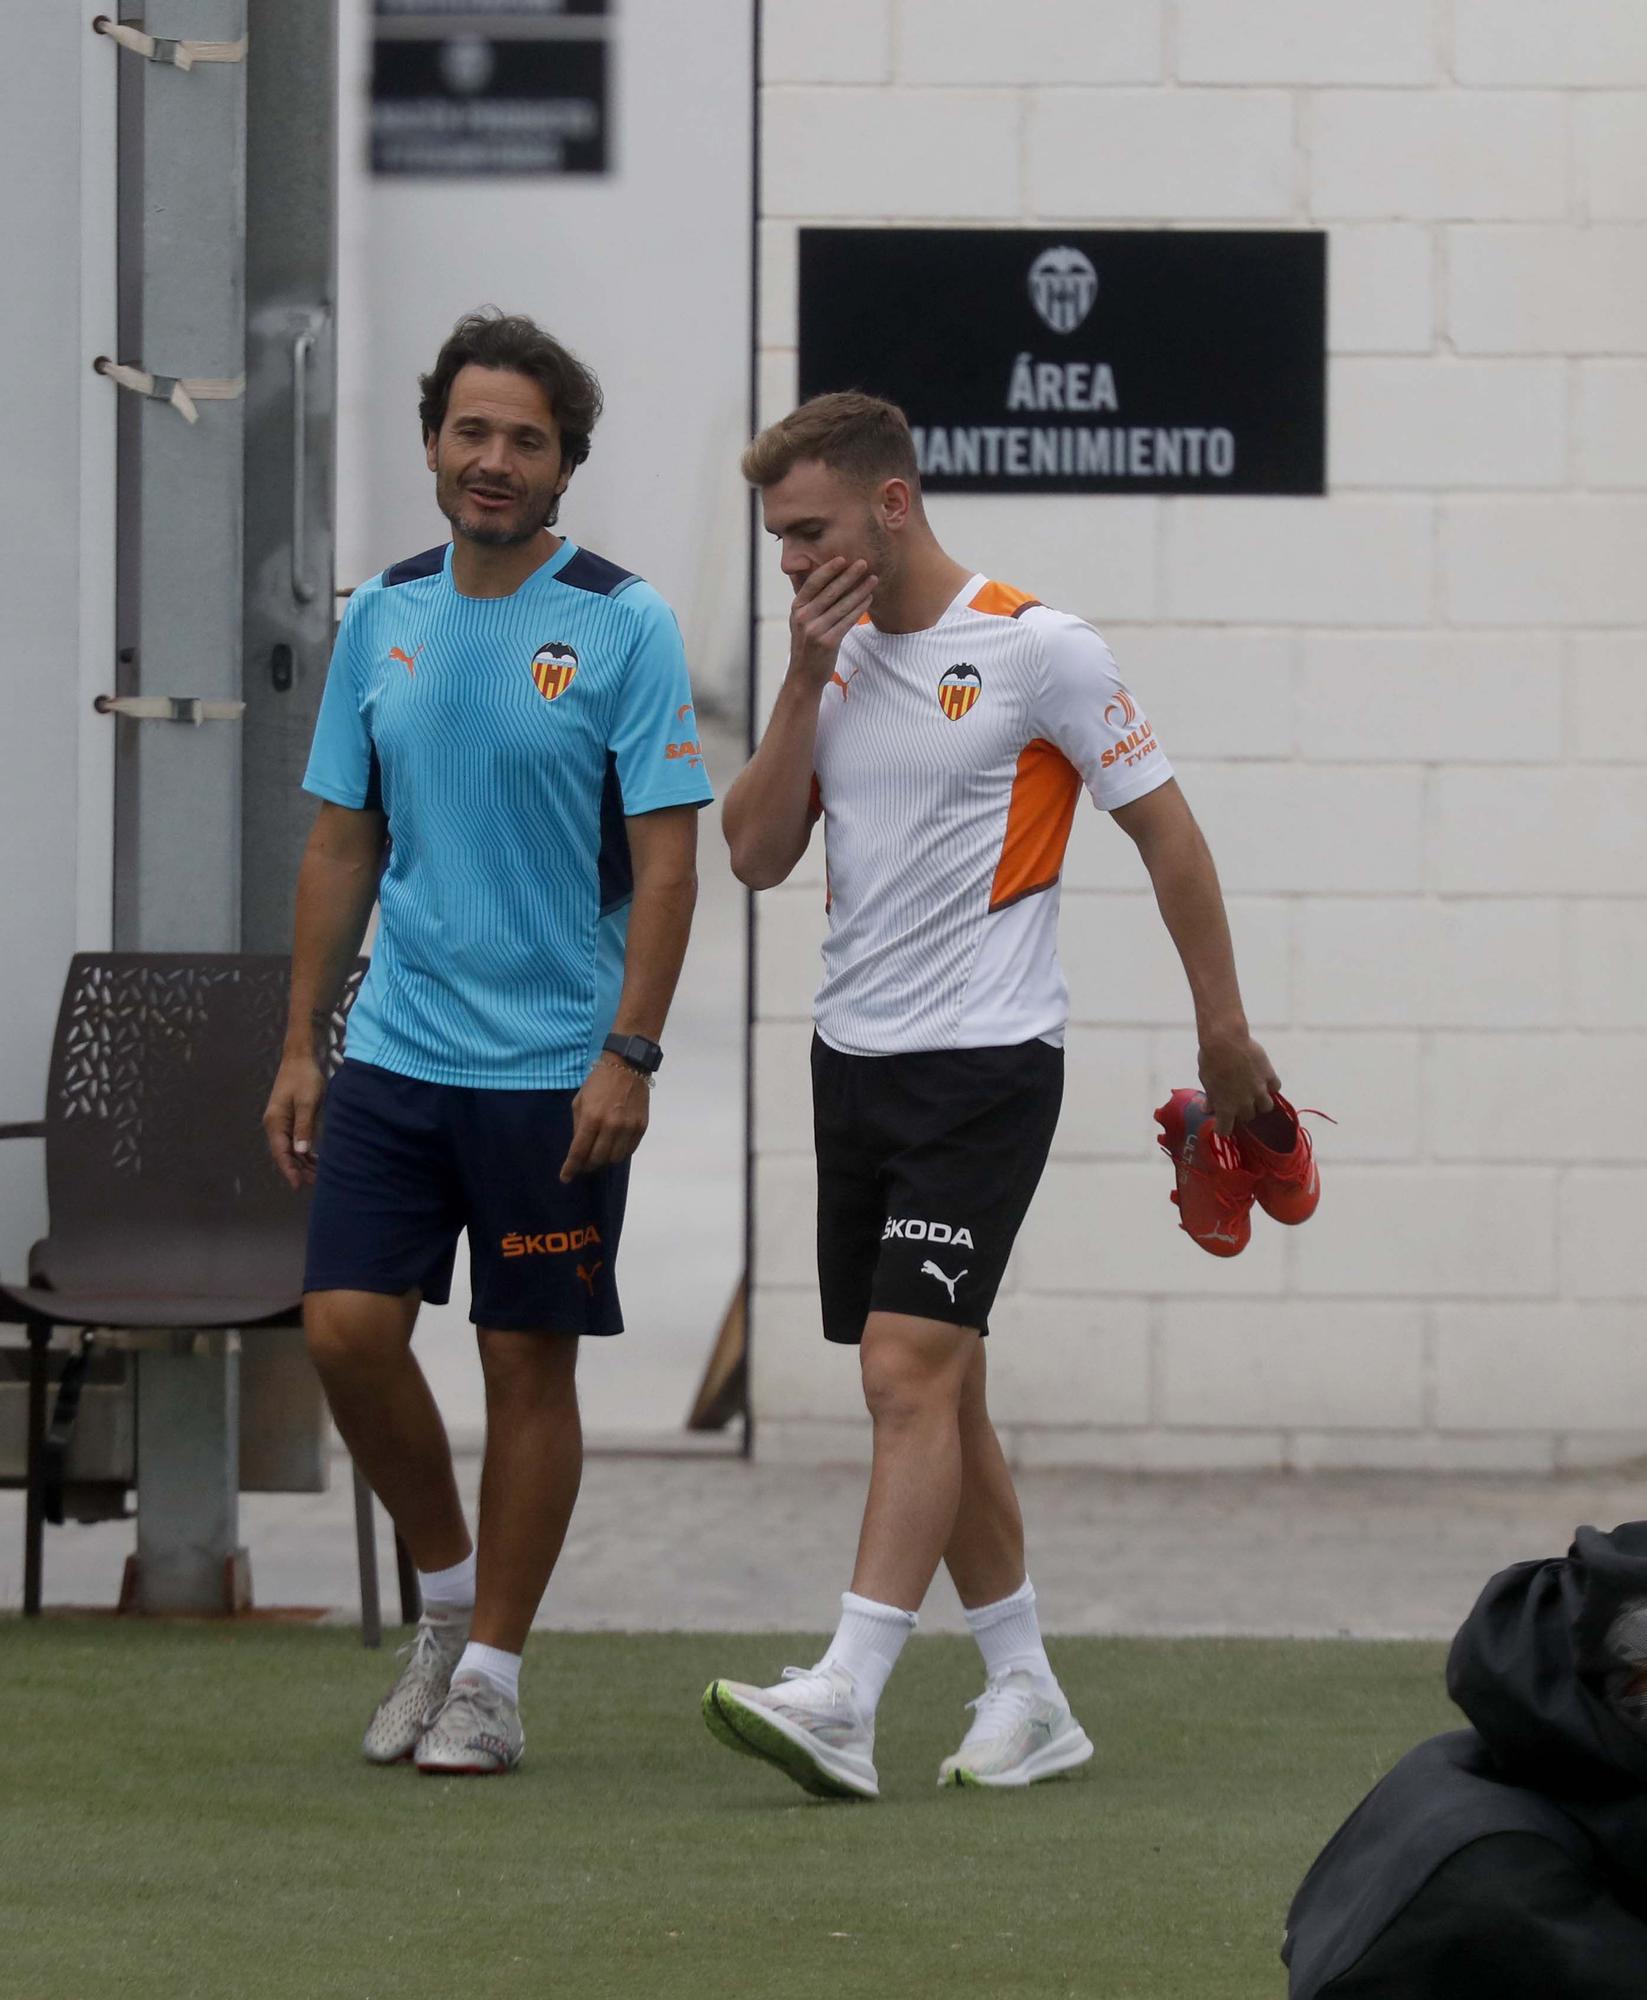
[(948, 766)]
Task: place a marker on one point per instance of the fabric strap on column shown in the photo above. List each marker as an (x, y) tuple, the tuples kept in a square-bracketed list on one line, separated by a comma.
[(188, 708), (181, 391), (157, 48)]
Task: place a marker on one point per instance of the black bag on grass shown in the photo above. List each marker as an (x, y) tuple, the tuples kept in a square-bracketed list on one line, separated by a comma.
[(1509, 1858)]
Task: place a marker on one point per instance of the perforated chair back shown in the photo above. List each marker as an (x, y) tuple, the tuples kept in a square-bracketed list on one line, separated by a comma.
[(158, 1175)]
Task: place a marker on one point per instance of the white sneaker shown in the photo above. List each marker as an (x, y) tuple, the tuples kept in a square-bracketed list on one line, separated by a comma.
[(477, 1733), (1019, 1734), (409, 1707), (809, 1725)]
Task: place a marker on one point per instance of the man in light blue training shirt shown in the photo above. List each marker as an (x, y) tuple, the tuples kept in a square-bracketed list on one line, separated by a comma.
[(508, 762)]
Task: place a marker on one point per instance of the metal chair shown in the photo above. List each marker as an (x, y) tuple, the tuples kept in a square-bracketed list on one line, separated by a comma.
[(165, 1211)]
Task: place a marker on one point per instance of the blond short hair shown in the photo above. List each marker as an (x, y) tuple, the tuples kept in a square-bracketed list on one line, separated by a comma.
[(851, 433)]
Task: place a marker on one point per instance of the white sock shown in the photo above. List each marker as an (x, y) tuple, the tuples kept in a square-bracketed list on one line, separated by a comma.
[(500, 1668), (867, 1643), (449, 1589), (1009, 1637)]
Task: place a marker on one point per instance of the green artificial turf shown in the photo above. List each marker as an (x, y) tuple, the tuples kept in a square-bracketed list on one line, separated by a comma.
[(183, 1811)]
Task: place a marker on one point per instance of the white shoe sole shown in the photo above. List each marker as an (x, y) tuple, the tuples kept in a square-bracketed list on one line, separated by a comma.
[(757, 1732), (1064, 1753), (469, 1770)]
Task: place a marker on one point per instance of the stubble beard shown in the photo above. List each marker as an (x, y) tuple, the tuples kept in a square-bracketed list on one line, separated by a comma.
[(537, 514)]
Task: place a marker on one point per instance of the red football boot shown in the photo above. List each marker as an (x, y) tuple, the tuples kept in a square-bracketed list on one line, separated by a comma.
[(1286, 1180), (1215, 1191)]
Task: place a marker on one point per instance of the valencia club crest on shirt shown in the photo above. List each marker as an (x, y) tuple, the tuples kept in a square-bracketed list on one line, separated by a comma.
[(958, 690), (554, 668)]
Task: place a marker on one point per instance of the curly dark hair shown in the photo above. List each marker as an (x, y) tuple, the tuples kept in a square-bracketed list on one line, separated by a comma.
[(492, 338)]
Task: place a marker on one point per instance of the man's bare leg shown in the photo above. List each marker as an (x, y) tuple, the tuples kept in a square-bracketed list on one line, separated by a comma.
[(820, 1728), (361, 1345), (530, 1479), (1022, 1728), (914, 1374), (528, 1487), (985, 1555)]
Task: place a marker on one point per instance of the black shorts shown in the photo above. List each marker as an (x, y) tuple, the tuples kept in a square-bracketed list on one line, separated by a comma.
[(926, 1168), (406, 1165)]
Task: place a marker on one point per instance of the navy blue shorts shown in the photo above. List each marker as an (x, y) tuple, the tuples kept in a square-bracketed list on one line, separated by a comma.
[(404, 1166)]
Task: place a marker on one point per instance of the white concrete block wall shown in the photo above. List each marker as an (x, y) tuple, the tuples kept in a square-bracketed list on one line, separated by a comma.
[(1412, 717)]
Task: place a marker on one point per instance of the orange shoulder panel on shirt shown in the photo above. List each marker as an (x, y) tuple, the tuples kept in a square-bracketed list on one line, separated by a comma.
[(1000, 600), (1045, 789)]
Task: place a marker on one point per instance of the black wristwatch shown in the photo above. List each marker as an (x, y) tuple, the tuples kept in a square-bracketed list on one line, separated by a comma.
[(636, 1051)]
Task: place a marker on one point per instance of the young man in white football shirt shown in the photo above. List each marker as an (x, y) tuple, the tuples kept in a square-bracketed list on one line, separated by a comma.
[(942, 725)]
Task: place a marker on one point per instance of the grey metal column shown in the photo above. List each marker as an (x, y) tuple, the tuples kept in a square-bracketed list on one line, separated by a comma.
[(188, 1477), (291, 399), (183, 197), (177, 788), (291, 371)]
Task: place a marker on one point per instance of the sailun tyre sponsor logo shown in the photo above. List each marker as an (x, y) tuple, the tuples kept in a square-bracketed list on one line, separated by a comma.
[(958, 690), (554, 668), (1138, 743), (908, 1229), (1063, 287), (550, 1242), (1122, 712)]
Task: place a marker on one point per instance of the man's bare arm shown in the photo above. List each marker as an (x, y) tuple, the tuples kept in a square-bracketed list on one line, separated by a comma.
[(1235, 1072), (336, 888), (769, 814), (609, 1114)]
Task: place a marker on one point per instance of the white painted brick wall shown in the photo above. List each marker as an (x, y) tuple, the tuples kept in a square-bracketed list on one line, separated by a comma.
[(1431, 697), (1458, 963), (1612, 155), (1428, 1232), (1257, 1365), (1607, 697), (1381, 293), (1572, 561), (1573, 831), (1487, 1105), (1363, 561), (1555, 290), (1537, 1367), (1612, 417), (1215, 154), (1600, 1250), (1412, 718), (1304, 42), (1420, 423), (956, 152), (1426, 156), (856, 49), (980, 41), (1606, 961), (1522, 42)]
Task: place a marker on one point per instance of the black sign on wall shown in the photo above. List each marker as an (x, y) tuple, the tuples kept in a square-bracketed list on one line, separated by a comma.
[(451, 99), (1087, 361)]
